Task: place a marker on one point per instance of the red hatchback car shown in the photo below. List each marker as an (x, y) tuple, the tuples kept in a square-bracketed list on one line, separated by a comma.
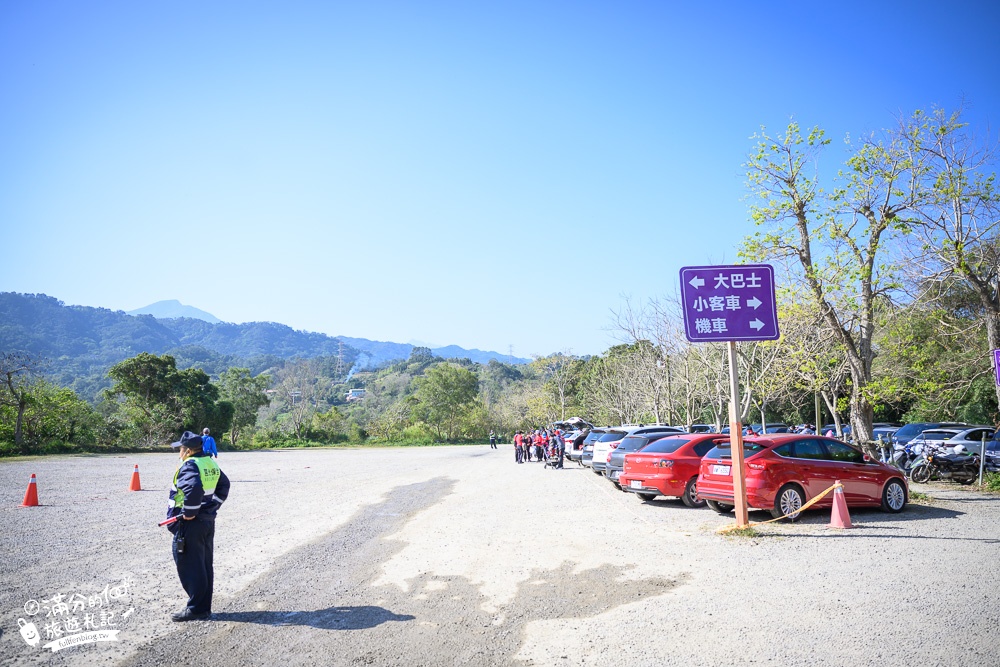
[(668, 467), (784, 471)]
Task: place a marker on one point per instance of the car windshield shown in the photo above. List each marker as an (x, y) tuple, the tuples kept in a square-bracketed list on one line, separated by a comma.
[(722, 450), (666, 446), (610, 436), (938, 435), (592, 437), (911, 430), (633, 443)]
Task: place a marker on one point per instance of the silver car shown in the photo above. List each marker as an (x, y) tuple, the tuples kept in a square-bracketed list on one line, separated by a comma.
[(971, 438)]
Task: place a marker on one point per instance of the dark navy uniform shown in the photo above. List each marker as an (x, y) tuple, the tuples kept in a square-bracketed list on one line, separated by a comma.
[(200, 487)]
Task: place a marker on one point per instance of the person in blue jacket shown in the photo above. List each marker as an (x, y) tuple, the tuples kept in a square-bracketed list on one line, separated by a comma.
[(208, 444), (200, 487)]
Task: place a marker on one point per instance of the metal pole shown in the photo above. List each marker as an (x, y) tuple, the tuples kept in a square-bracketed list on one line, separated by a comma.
[(819, 415), (982, 460), (736, 443)]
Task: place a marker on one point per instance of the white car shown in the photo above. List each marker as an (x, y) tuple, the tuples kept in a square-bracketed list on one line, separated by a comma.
[(602, 445)]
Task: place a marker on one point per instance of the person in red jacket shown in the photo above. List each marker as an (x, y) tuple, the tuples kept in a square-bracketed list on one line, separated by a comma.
[(519, 447)]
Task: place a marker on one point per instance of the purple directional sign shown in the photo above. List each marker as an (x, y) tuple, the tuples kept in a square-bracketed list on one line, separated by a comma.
[(724, 303), (996, 364)]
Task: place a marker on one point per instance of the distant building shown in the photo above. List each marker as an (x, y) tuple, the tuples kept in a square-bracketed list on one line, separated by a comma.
[(355, 395)]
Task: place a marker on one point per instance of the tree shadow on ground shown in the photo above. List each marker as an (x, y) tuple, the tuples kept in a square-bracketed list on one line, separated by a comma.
[(331, 618)]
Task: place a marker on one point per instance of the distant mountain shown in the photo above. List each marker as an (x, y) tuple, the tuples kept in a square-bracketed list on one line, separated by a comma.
[(174, 309), (375, 353), (81, 342)]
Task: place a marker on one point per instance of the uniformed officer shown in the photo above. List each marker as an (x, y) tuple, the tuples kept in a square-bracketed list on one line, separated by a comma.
[(199, 489)]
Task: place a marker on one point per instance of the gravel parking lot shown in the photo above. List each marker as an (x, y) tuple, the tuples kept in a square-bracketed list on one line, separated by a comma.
[(457, 556)]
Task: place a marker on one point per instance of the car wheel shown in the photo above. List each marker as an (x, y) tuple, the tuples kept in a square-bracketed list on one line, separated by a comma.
[(617, 485), (646, 496), (920, 473), (690, 497), (788, 502), (721, 508), (894, 496)]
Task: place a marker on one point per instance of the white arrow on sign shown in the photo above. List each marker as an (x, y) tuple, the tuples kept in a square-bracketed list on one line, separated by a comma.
[(754, 302), (757, 324), (697, 282)]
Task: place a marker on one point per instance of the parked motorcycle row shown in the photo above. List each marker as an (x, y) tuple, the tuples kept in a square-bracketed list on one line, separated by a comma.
[(926, 462)]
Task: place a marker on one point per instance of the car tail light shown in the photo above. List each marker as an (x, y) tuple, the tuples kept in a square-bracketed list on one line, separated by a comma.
[(665, 463), (614, 445), (609, 457)]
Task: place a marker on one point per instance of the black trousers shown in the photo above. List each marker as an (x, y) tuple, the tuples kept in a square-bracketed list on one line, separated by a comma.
[(194, 564)]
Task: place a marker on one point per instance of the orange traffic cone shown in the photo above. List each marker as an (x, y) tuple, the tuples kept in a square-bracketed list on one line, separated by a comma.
[(134, 484), (840, 517), (31, 495)]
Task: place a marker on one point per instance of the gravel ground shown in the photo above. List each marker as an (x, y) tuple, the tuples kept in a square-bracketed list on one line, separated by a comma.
[(458, 556)]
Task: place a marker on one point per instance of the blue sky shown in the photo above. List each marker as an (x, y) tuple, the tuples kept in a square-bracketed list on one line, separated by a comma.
[(486, 175)]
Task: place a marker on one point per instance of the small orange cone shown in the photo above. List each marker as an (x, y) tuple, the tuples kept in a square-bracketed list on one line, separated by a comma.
[(134, 484), (840, 517), (31, 495)]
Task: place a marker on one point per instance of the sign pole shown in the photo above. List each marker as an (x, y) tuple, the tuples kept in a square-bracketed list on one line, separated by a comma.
[(727, 304), (736, 442)]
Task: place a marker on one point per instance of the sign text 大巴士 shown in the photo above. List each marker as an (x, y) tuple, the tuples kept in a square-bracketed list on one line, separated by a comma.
[(723, 303)]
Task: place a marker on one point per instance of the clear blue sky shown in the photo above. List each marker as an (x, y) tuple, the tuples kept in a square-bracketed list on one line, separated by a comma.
[(479, 174)]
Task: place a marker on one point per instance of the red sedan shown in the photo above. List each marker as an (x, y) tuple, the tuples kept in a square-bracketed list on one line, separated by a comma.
[(784, 471), (668, 467)]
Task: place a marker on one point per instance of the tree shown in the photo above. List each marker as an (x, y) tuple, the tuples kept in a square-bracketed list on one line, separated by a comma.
[(610, 390), (836, 242), (158, 401), (298, 391), (444, 394), (17, 371), (561, 372), (959, 212), (247, 394)]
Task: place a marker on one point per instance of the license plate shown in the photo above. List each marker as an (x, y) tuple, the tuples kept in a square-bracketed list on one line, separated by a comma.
[(636, 483), (720, 470)]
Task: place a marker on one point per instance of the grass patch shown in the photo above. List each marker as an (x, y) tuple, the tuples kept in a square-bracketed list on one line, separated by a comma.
[(920, 498), (733, 531), (991, 482)]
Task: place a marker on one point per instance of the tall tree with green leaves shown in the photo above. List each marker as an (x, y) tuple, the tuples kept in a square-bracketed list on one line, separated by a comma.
[(835, 241), (247, 394), (445, 393), (157, 401), (958, 235)]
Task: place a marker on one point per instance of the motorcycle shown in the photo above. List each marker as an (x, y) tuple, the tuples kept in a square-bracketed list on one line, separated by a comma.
[(958, 467)]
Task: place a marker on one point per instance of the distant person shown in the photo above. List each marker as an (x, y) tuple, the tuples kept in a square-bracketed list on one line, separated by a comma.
[(560, 447), (493, 440), (208, 444), (518, 447)]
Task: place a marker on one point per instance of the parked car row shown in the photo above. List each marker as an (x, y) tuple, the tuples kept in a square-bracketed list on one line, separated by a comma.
[(783, 471)]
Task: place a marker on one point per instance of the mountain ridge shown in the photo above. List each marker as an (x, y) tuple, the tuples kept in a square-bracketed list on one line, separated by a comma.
[(85, 339)]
